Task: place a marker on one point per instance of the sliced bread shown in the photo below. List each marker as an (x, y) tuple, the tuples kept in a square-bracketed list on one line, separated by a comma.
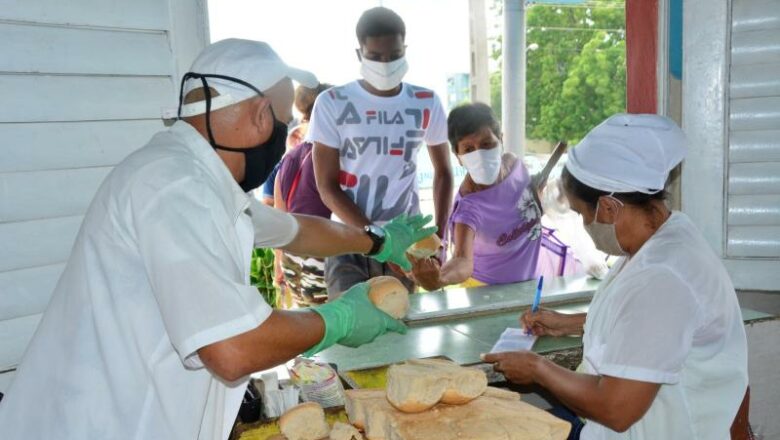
[(344, 431), (355, 404), (419, 384), (304, 422)]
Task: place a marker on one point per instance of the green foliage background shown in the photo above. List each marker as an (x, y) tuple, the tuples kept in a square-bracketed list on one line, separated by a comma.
[(576, 77), (261, 275)]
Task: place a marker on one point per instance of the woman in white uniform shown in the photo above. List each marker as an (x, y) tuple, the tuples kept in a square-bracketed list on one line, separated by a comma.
[(665, 354)]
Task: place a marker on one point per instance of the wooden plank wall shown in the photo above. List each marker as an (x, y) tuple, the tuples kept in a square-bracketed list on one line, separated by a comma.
[(83, 85)]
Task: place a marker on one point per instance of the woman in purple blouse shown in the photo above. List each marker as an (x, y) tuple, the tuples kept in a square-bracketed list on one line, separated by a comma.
[(495, 225)]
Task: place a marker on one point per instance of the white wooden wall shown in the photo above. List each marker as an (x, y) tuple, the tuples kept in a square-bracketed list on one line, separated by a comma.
[(82, 85), (753, 222), (731, 113)]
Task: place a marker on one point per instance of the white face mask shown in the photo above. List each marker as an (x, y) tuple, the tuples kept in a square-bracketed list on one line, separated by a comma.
[(604, 235), (483, 165), (384, 76)]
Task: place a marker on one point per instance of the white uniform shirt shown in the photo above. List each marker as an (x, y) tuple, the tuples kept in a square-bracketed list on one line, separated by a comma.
[(669, 315), (159, 269)]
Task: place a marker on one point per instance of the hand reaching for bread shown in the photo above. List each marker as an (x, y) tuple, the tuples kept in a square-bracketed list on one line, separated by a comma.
[(400, 234), (426, 272), (353, 319)]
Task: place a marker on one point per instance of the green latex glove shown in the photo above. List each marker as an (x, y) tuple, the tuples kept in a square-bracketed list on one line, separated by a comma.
[(353, 320), (400, 233)]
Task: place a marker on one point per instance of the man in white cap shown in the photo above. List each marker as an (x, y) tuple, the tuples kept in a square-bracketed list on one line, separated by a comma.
[(664, 348), (153, 327)]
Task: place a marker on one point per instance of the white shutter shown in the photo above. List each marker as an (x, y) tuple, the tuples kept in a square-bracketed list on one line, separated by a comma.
[(753, 221), (83, 85), (731, 114)]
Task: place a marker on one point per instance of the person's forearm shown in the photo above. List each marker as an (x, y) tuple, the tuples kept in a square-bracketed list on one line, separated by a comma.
[(455, 271), (612, 402), (279, 202), (319, 237), (341, 205), (281, 337), (442, 199), (579, 392), (575, 323)]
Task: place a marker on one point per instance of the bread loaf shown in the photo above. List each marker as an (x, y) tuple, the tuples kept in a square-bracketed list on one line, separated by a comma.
[(465, 384), (427, 247), (355, 404), (378, 414), (343, 431), (389, 295), (500, 393), (304, 422), (418, 385), (368, 410), (484, 418)]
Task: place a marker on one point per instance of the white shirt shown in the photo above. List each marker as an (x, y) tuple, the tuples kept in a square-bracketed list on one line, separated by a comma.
[(670, 315), (159, 269), (378, 139)]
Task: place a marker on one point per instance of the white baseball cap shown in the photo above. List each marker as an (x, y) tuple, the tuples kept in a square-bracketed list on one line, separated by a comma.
[(254, 62), (628, 153)]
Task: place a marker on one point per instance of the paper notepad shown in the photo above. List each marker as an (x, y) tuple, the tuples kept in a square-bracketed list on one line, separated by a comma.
[(513, 339)]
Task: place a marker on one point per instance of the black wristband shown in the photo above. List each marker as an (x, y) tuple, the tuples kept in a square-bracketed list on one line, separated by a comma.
[(377, 236)]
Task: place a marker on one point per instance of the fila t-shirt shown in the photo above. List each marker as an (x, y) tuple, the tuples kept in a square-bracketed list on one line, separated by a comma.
[(378, 139)]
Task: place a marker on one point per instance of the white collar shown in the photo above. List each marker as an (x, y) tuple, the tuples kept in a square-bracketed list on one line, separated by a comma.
[(238, 200)]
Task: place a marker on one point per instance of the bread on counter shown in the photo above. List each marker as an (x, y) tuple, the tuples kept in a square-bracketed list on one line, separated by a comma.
[(484, 418), (343, 431), (419, 384), (304, 422), (355, 404), (501, 393), (474, 412)]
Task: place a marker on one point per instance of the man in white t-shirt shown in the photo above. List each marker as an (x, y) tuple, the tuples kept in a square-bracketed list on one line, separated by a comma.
[(367, 135), (153, 326)]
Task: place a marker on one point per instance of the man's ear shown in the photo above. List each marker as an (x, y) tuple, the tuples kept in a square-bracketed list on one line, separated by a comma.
[(262, 117), (261, 109), (359, 56)]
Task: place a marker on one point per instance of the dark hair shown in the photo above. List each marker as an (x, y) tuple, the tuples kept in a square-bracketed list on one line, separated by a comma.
[(305, 97), (378, 22), (467, 119), (591, 195)]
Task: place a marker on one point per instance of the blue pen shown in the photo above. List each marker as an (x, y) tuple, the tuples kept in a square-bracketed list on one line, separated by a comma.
[(538, 297), (537, 300)]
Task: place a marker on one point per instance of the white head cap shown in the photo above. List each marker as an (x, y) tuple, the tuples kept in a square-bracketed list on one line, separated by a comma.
[(254, 62), (628, 153)]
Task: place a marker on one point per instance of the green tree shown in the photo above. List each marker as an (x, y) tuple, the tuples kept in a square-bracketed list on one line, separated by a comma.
[(575, 72), (594, 89)]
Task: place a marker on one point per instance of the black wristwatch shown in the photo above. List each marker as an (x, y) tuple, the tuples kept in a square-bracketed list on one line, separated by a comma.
[(377, 236)]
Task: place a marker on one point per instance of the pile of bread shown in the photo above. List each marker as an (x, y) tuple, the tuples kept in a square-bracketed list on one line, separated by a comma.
[(429, 399)]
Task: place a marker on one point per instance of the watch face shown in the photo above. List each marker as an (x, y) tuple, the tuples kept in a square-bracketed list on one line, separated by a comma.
[(376, 230)]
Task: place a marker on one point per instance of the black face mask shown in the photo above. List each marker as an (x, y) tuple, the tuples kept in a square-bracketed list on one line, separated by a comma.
[(260, 160)]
